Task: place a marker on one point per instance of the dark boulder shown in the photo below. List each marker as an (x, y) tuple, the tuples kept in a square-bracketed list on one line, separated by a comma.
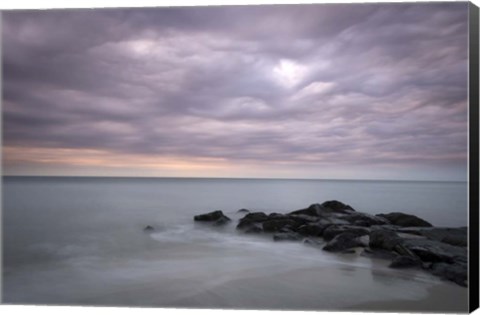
[(434, 251), (451, 236), (402, 250), (389, 241), (211, 216), (364, 219), (311, 229), (255, 216), (384, 239), (405, 262), (405, 220), (250, 219), (333, 230), (364, 223), (426, 254), (277, 225), (328, 209), (217, 217), (455, 240), (314, 210), (253, 228), (343, 242), (457, 272), (243, 211), (333, 220), (303, 219), (275, 216), (337, 206)]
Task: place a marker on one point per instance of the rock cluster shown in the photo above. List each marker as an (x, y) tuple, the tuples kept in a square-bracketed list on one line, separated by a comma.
[(406, 240)]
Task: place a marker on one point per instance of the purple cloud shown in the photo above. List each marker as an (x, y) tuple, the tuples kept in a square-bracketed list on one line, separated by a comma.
[(315, 85)]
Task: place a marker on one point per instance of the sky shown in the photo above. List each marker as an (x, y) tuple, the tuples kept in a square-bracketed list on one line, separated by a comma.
[(337, 91)]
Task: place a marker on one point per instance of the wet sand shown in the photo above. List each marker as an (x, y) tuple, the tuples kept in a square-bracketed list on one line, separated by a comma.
[(329, 288), (441, 298)]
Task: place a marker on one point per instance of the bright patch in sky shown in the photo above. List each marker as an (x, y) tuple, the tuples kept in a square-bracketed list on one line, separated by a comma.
[(289, 73), (142, 46)]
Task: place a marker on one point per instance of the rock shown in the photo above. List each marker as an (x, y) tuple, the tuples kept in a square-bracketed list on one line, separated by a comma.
[(250, 219), (364, 240), (431, 256), (384, 239), (455, 240), (278, 224), (255, 216), (406, 220), (364, 223), (364, 219), (404, 251), (433, 251), (254, 228), (457, 273), (333, 230), (275, 216), (405, 262), (314, 210), (302, 219), (462, 259), (389, 244), (427, 265), (342, 242), (406, 240), (388, 227), (333, 220), (326, 210), (337, 206), (451, 236), (286, 236), (216, 217), (148, 228), (311, 229)]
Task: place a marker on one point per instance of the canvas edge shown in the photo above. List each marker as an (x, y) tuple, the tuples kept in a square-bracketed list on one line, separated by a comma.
[(473, 158)]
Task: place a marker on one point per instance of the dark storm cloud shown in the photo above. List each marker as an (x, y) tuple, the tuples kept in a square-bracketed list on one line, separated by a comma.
[(356, 84)]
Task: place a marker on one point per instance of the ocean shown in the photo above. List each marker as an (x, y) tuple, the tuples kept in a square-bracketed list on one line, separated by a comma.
[(80, 241)]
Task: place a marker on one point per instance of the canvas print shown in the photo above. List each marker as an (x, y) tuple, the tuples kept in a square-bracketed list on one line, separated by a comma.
[(282, 157)]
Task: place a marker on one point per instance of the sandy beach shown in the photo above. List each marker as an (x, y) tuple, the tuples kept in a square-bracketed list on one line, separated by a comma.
[(441, 298), (334, 287)]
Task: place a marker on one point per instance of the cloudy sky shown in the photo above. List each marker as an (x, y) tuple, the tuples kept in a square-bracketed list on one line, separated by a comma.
[(361, 91)]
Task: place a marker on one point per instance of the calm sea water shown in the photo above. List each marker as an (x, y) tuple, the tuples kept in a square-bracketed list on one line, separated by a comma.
[(80, 240)]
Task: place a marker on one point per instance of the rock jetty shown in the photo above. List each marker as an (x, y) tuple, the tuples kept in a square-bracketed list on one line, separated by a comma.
[(406, 240)]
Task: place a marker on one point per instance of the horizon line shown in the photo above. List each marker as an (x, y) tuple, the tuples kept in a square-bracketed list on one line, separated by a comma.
[(240, 178)]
